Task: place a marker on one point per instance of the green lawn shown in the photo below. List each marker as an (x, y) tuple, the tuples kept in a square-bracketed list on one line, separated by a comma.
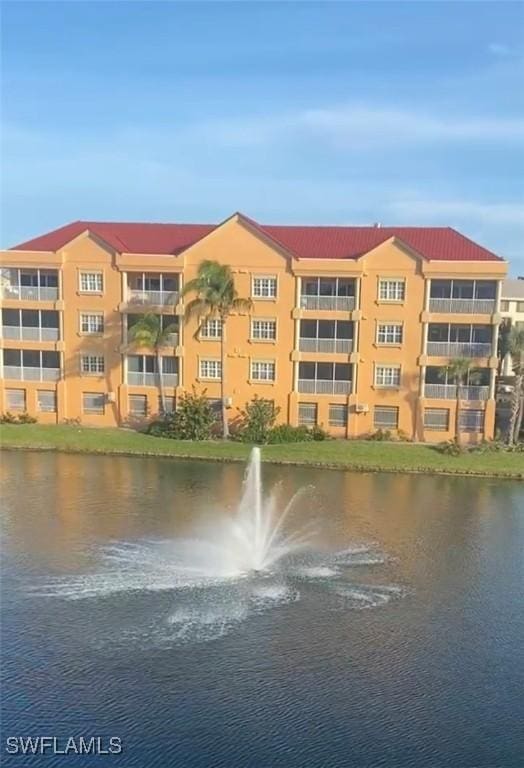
[(357, 455)]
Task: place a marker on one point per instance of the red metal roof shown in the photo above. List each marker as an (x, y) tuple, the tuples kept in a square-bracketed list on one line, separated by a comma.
[(303, 242)]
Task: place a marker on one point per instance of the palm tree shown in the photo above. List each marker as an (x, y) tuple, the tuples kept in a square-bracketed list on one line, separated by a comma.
[(216, 297), (149, 333), (516, 350), (458, 370)]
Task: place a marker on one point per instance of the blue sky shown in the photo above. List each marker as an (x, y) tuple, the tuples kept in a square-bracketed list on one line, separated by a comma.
[(335, 113)]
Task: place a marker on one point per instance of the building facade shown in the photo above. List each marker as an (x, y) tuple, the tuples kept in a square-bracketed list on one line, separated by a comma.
[(351, 327)]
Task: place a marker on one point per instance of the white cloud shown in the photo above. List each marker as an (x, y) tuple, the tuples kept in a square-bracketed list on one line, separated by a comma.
[(499, 49)]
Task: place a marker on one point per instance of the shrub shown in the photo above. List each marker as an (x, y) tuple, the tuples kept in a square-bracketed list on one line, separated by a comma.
[(20, 418), (450, 448), (317, 433), (380, 434), (257, 420), (285, 433), (194, 419)]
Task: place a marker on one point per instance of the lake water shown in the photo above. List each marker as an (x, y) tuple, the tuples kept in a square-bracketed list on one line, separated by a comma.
[(396, 642)]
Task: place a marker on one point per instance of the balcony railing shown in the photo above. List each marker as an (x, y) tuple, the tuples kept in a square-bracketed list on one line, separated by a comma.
[(338, 346), (27, 373), (29, 293), (458, 349), (30, 333), (156, 298), (337, 303), (142, 379), (449, 392), (463, 306), (322, 387)]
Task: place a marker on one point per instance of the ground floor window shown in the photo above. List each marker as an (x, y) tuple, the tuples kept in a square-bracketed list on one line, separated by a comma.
[(338, 415), (169, 404), (385, 417), (436, 419), (307, 414), (471, 421), (46, 400), (15, 399), (93, 402), (137, 405)]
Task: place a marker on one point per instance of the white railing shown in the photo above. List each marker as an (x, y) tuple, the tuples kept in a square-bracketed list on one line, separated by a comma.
[(26, 373), (142, 379), (458, 349), (449, 392), (337, 303), (321, 387), (156, 298), (30, 333), (338, 346), (29, 293), (463, 306)]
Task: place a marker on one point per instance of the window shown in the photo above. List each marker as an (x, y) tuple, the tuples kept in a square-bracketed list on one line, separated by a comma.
[(93, 402), (385, 417), (387, 376), (471, 421), (436, 419), (391, 290), (210, 369), (389, 333), (264, 330), (215, 403), (264, 287), (338, 415), (307, 414), (520, 306), (91, 282), (211, 329), (92, 364), (15, 399), (504, 306), (262, 370), (169, 403), (137, 405), (91, 323), (46, 400)]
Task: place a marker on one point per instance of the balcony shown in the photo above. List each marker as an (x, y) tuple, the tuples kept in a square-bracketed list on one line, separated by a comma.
[(29, 373), (458, 349), (146, 379), (29, 284), (463, 306), (449, 392), (138, 297), (323, 387), (333, 303), (30, 333), (335, 346), (29, 293)]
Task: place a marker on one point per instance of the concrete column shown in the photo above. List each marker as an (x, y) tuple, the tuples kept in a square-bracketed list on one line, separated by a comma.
[(427, 291)]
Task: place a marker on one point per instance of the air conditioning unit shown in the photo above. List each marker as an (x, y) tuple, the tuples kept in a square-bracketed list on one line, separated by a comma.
[(111, 397), (361, 408), (228, 402)]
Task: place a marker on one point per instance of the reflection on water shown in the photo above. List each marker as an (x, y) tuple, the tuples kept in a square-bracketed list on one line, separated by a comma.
[(396, 635)]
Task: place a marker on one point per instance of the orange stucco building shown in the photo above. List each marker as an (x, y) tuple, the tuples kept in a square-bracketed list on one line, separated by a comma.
[(351, 327)]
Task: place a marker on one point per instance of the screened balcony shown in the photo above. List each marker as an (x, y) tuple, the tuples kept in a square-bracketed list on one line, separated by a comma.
[(166, 321), (439, 384), (449, 340), (324, 378), (31, 365), (463, 296), (30, 324), (331, 293), (331, 336), (153, 289), (29, 284), (142, 371)]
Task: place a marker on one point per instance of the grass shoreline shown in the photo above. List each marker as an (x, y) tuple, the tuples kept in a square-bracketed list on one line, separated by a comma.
[(353, 455)]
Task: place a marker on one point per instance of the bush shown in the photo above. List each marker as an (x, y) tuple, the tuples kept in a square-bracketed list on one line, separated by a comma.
[(380, 434), (450, 448), (21, 418), (285, 433), (257, 420), (194, 419)]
